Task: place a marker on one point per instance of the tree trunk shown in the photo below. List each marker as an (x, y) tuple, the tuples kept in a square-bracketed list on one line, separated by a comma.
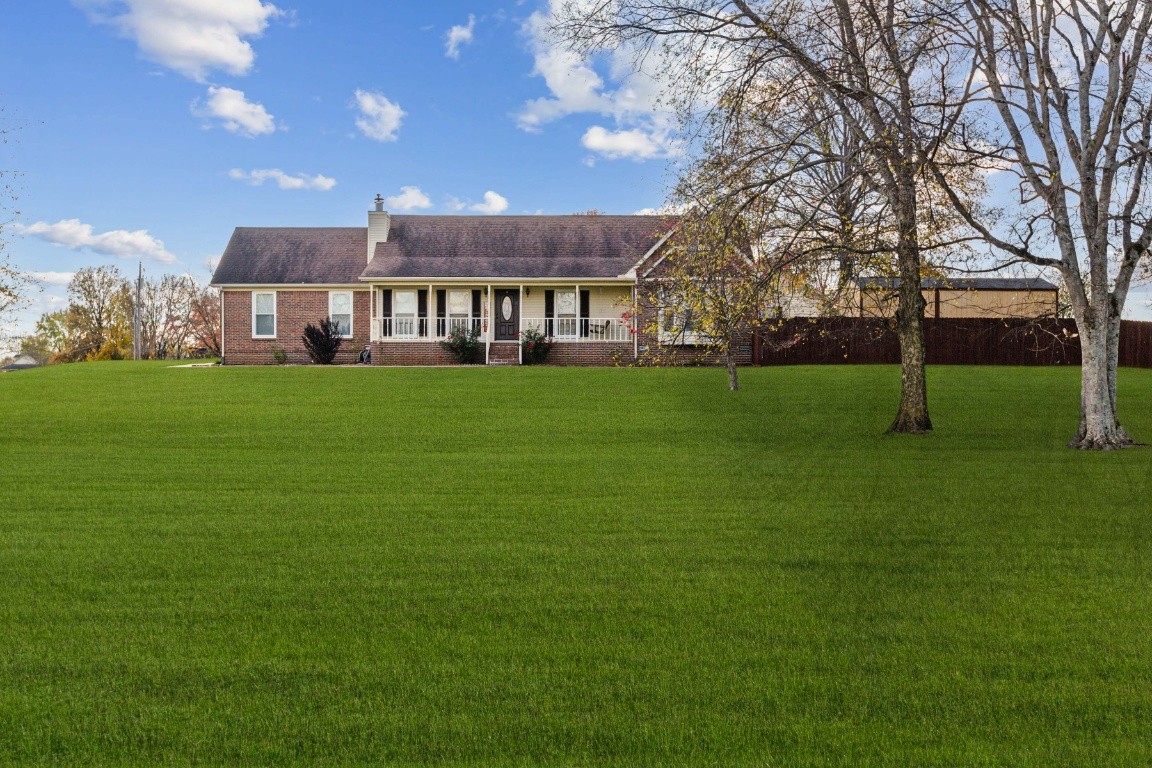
[(1100, 428), (730, 360), (912, 415)]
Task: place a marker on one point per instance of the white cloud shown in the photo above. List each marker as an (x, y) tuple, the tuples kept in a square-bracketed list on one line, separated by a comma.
[(630, 97), (257, 177), (380, 118), (634, 144), (52, 278), (75, 235), (574, 84), (493, 204), (409, 199), (192, 37), (664, 210), (233, 109), (460, 34)]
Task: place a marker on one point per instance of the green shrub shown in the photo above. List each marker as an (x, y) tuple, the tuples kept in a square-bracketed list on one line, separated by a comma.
[(279, 356), (535, 346), (464, 345), (322, 342)]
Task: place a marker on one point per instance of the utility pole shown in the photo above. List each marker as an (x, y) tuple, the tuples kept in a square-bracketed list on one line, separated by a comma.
[(136, 350)]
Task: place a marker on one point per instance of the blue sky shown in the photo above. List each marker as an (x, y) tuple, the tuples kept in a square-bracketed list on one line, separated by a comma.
[(145, 130)]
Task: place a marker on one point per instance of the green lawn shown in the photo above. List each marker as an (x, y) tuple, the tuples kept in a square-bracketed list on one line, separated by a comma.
[(277, 566)]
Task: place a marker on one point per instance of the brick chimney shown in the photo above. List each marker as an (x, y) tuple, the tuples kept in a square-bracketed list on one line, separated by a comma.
[(378, 223)]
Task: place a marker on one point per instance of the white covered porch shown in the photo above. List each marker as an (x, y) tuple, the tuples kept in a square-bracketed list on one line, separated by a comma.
[(502, 312)]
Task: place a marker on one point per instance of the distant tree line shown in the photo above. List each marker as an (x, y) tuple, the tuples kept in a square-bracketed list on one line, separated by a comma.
[(178, 318)]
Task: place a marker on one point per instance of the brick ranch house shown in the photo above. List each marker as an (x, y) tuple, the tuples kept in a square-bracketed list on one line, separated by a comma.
[(404, 282)]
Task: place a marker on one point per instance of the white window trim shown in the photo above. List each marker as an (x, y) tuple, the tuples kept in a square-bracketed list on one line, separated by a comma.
[(351, 311), (274, 323), (464, 320), (677, 335), (567, 325), (413, 316)]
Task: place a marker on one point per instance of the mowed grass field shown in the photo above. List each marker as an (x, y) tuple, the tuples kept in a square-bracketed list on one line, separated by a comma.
[(568, 567)]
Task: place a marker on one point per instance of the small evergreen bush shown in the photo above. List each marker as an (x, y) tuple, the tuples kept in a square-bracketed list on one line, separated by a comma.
[(322, 342)]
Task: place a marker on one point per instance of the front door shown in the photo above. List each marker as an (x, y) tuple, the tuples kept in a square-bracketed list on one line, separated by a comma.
[(507, 315)]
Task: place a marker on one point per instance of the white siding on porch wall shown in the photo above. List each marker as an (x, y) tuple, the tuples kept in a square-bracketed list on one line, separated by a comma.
[(607, 301)]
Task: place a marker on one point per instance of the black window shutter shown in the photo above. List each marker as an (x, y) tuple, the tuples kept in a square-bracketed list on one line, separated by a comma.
[(585, 311), (386, 311), (422, 311), (476, 303), (549, 312), (441, 312)]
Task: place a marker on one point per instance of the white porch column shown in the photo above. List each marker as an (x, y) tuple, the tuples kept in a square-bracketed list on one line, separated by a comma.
[(373, 321), (635, 322), (579, 319)]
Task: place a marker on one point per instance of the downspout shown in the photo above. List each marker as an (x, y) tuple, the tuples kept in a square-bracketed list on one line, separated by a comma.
[(520, 327), (221, 326)]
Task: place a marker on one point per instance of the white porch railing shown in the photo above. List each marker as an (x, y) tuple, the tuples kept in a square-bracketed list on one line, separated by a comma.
[(565, 329), (580, 328), (406, 328)]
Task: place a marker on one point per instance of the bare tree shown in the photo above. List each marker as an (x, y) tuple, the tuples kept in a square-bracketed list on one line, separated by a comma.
[(100, 313), (166, 315), (1069, 96), (884, 65), (204, 319), (15, 286)]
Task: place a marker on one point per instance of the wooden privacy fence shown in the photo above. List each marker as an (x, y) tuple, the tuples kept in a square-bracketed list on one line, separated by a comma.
[(947, 341)]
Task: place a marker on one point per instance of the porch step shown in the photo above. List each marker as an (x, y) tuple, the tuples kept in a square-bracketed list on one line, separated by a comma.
[(504, 354)]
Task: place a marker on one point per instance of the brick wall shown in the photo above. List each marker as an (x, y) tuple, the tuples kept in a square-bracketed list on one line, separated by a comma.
[(430, 353), (410, 353), (694, 355), (294, 310), (590, 353)]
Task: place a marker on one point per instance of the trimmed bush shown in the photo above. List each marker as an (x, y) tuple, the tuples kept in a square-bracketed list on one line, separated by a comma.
[(536, 346), (322, 342), (464, 345)]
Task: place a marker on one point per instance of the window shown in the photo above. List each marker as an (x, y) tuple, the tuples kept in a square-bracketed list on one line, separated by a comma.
[(404, 313), (264, 314), (566, 313), (340, 311), (459, 310), (680, 327), (677, 325)]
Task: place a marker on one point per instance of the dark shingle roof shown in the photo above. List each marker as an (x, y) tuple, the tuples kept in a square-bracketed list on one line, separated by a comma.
[(293, 255), (442, 246), (515, 246), (963, 283)]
